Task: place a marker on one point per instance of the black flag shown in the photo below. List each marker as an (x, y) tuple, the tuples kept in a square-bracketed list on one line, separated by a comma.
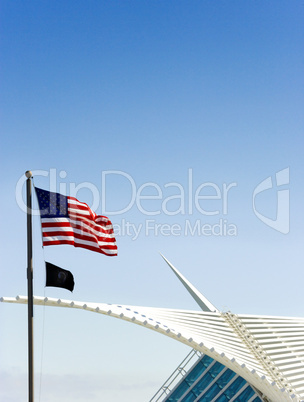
[(58, 277)]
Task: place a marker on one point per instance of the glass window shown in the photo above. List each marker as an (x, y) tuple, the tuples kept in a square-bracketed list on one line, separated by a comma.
[(198, 369), (232, 390), (225, 378), (190, 397), (175, 396), (245, 395), (190, 378), (222, 398), (218, 386), (207, 378), (211, 393)]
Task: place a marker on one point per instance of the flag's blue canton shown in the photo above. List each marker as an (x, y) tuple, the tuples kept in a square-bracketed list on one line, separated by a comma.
[(52, 205)]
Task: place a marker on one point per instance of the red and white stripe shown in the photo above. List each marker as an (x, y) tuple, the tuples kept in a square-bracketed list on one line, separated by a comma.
[(83, 228)]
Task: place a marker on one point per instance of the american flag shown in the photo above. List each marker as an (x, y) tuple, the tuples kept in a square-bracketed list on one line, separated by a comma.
[(65, 220)]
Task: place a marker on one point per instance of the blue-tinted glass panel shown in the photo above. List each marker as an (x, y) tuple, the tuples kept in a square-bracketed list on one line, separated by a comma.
[(257, 399), (222, 398), (232, 390), (218, 386), (202, 384), (245, 395), (198, 369), (207, 378), (189, 398), (225, 378), (190, 378), (211, 393), (182, 388)]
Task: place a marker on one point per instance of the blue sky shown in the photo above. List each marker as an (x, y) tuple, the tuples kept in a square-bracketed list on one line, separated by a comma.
[(154, 92)]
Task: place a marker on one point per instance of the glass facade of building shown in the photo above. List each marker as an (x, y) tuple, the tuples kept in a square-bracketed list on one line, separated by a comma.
[(210, 381)]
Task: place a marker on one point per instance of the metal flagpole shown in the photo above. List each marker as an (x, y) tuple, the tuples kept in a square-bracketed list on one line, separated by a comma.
[(28, 174)]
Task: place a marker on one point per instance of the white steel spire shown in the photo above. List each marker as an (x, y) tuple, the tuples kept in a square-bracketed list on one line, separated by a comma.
[(200, 299)]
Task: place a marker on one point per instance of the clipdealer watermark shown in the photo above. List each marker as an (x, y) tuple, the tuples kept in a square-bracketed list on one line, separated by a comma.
[(207, 200)]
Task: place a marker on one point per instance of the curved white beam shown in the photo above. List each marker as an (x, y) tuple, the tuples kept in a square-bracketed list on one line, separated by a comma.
[(213, 334)]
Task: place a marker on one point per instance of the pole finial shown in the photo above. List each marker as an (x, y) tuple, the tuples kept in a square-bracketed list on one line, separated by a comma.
[(28, 174)]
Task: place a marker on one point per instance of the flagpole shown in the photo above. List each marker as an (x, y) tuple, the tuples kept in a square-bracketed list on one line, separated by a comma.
[(30, 303)]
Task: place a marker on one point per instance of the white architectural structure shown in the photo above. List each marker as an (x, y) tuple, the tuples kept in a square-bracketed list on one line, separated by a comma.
[(267, 351)]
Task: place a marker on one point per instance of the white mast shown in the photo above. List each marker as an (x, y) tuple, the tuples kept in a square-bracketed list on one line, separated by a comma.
[(200, 299)]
